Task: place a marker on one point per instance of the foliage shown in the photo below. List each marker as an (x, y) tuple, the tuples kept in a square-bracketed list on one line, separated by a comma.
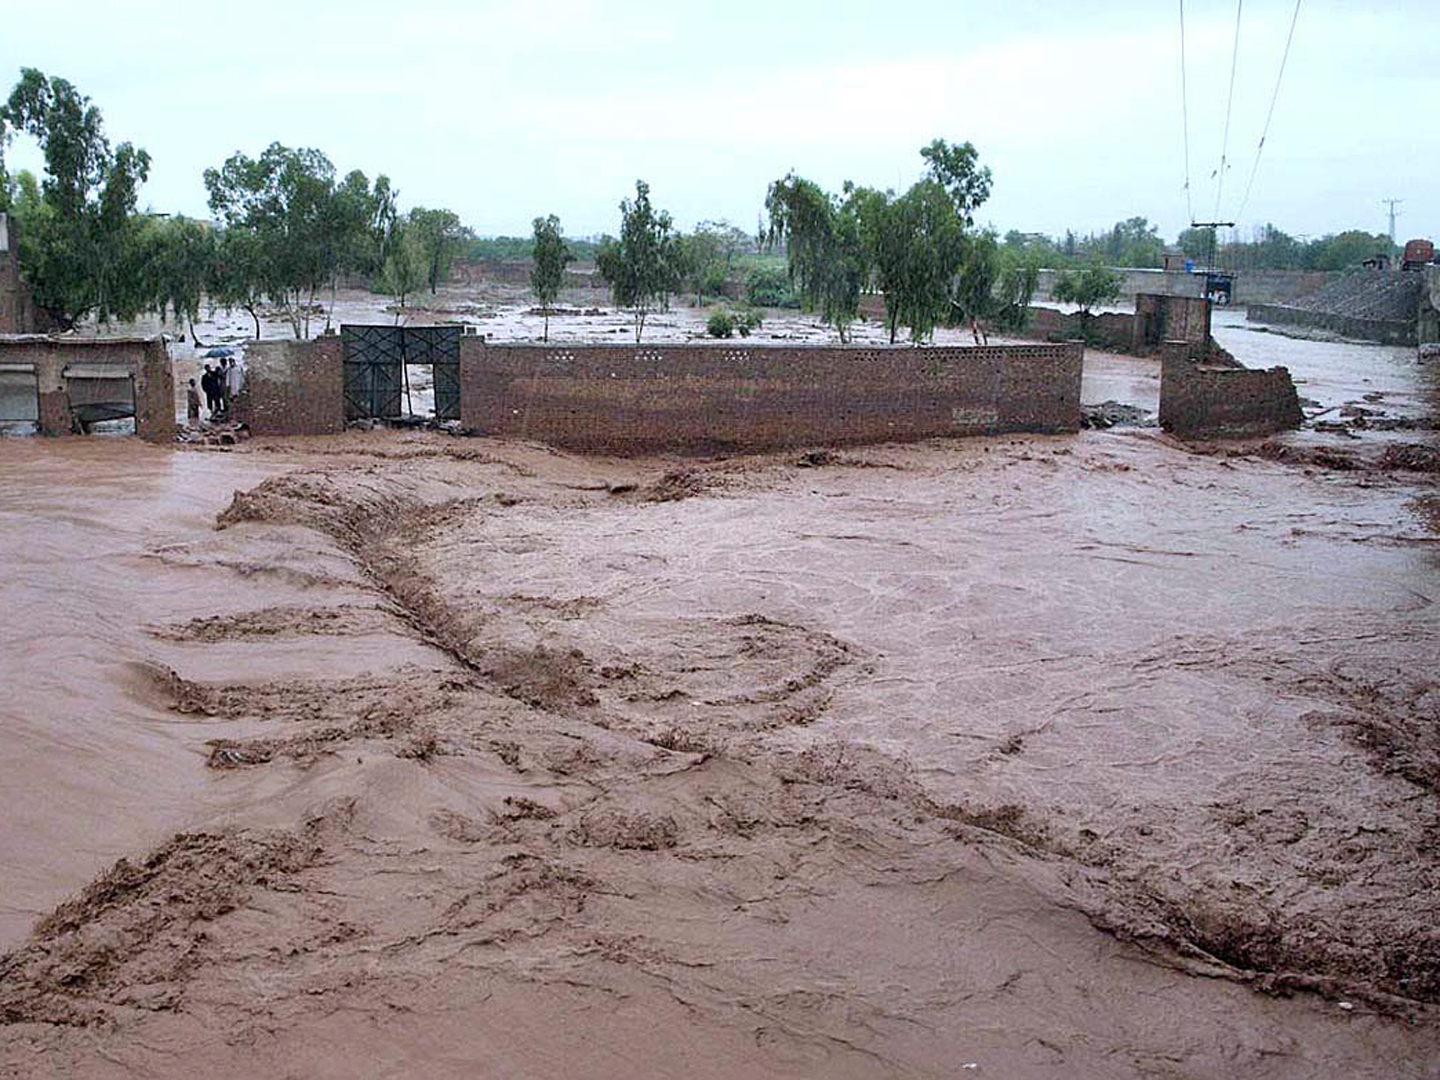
[(551, 255), (642, 266), (957, 170), (726, 321), (1087, 288), (995, 286), (80, 236), (708, 256), (515, 248), (176, 258), (918, 249), (237, 277), (305, 227), (824, 246), (440, 236), (721, 323), (407, 265), (769, 286)]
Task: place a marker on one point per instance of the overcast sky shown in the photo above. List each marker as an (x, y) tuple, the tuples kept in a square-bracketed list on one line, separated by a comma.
[(503, 111)]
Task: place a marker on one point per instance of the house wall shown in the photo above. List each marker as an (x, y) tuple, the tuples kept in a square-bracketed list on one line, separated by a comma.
[(293, 387), (1203, 401), (144, 359)]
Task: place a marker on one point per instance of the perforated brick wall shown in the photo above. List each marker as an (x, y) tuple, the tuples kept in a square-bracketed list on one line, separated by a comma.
[(665, 398)]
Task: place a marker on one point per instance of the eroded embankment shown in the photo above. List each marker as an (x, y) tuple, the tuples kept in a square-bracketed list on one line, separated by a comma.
[(623, 808)]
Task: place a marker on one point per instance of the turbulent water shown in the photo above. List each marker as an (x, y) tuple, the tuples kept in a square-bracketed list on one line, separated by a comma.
[(1055, 757)]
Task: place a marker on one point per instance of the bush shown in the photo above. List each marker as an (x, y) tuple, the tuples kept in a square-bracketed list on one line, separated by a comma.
[(769, 286), (747, 321), (721, 323)]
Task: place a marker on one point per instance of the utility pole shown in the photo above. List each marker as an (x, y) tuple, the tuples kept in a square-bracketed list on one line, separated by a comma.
[(1392, 203), (1214, 227)]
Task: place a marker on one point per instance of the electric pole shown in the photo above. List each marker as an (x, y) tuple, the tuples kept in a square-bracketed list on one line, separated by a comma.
[(1392, 203)]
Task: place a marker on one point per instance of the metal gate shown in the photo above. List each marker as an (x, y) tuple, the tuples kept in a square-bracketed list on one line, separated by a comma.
[(374, 361)]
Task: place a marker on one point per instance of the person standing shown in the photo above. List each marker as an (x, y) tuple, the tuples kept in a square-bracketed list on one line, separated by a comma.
[(192, 406), (207, 383), (233, 382)]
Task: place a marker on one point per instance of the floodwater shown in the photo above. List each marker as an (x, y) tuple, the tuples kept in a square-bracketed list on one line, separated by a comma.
[(1056, 757)]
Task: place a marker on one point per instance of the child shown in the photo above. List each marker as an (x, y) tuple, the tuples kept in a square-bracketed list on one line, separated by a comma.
[(192, 405)]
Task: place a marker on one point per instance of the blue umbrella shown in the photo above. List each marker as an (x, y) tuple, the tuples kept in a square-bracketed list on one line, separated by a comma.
[(219, 353)]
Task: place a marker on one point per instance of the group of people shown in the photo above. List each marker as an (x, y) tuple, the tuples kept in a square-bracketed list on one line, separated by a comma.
[(219, 384)]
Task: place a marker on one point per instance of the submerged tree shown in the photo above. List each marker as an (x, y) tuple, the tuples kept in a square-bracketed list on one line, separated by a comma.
[(551, 256), (994, 286), (641, 267), (406, 266), (79, 237)]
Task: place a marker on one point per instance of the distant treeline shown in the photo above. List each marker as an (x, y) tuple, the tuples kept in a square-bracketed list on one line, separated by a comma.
[(1135, 242)]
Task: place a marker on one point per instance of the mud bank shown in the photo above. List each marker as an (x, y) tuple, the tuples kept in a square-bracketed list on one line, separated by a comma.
[(484, 759)]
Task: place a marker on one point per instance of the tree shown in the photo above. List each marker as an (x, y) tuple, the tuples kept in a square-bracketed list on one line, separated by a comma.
[(1087, 288), (641, 267), (80, 235), (995, 286), (440, 235), (957, 169), (919, 247), (824, 247), (407, 265), (550, 255), (237, 276), (307, 228), (179, 254)]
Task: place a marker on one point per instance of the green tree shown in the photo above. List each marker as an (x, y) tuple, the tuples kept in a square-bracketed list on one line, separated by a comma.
[(995, 286), (237, 277), (179, 254), (307, 228), (77, 241), (1347, 250), (824, 247), (441, 236), (919, 248), (957, 169), (550, 256), (641, 266), (406, 267), (1087, 288)]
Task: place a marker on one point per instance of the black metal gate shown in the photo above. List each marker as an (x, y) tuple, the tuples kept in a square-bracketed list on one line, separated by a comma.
[(374, 368)]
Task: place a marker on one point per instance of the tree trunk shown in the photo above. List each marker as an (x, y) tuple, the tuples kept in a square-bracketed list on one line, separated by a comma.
[(545, 337), (251, 309)]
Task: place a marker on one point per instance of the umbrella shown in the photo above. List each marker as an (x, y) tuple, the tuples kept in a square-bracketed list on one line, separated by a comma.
[(219, 353)]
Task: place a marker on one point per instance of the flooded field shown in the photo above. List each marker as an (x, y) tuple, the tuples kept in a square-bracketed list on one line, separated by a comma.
[(1081, 756)]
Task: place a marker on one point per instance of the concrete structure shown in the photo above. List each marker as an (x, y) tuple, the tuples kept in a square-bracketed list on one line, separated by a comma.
[(64, 383), (1369, 305), (1157, 318), (1427, 323), (666, 398), (1201, 400)]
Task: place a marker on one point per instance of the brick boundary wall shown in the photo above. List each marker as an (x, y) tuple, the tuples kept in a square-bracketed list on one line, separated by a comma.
[(664, 398), (293, 387), (1202, 401), (145, 359), (1381, 331)]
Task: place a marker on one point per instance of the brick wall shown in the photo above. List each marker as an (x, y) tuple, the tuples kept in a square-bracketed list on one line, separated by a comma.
[(15, 313), (293, 387), (143, 359), (1160, 318), (721, 398), (1202, 401), (1113, 331)]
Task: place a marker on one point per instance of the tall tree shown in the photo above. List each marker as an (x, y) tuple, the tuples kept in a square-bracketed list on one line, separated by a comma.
[(550, 255), (406, 266), (824, 246), (83, 233), (440, 235), (958, 170), (307, 228), (920, 248), (641, 267), (1087, 288)]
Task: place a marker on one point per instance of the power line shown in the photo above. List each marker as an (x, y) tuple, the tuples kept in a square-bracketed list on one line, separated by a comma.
[(1185, 116), (1229, 101), (1275, 96)]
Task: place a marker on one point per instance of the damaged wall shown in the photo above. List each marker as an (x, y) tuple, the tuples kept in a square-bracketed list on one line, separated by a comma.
[(69, 369), (293, 387), (663, 398), (1200, 400)]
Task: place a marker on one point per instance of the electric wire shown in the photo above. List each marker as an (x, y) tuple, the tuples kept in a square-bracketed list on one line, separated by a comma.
[(1275, 96), (1229, 101), (1185, 117)]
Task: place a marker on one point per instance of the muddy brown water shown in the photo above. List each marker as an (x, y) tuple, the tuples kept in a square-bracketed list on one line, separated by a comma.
[(1052, 756)]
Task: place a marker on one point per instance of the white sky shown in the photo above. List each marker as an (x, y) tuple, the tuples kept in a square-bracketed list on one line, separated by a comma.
[(504, 111)]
